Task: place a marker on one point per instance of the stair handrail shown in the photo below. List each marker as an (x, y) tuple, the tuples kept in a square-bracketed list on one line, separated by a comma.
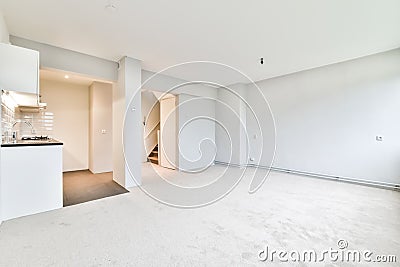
[(152, 129)]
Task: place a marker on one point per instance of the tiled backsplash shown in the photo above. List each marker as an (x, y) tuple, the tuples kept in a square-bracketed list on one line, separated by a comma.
[(40, 123), (7, 119), (26, 124)]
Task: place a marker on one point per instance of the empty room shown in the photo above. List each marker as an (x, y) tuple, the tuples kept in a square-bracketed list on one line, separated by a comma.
[(200, 133)]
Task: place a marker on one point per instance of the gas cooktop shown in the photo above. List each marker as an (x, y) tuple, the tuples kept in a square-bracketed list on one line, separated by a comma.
[(33, 141), (31, 138)]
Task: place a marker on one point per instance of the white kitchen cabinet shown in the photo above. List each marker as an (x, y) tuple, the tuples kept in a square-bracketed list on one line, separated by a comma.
[(31, 180), (19, 69)]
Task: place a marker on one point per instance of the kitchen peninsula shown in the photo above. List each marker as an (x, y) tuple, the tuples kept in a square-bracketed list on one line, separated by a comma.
[(31, 177)]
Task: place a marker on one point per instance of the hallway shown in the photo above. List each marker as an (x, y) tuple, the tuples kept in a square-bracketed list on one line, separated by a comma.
[(84, 186)]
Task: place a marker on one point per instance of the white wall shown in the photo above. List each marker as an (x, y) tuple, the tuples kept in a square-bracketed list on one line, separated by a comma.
[(196, 132), (327, 119), (4, 35), (70, 105), (231, 124), (100, 128), (4, 38)]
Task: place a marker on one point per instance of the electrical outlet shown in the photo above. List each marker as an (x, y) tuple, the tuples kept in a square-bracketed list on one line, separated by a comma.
[(379, 138), (103, 131)]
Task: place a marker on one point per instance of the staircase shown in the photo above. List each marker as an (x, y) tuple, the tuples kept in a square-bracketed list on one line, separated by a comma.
[(151, 127), (153, 157)]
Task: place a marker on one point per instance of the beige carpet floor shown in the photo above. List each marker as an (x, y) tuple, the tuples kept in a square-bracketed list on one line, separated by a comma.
[(289, 212)]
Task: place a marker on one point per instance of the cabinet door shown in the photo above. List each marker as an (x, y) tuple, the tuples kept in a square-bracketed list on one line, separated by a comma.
[(19, 69)]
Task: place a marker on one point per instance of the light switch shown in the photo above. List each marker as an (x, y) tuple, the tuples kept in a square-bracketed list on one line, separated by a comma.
[(103, 131), (379, 138)]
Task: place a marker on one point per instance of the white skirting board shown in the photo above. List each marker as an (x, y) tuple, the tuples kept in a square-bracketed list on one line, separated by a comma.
[(377, 184)]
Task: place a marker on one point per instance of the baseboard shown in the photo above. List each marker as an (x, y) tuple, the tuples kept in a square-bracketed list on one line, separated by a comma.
[(389, 186), (231, 164)]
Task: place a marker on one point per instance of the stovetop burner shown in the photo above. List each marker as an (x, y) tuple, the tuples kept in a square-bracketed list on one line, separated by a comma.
[(26, 138)]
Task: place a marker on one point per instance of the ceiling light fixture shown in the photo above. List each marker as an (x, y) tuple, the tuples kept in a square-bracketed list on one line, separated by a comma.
[(111, 7), (66, 76)]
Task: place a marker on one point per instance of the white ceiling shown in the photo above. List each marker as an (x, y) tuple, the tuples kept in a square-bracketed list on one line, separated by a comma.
[(291, 35), (59, 76)]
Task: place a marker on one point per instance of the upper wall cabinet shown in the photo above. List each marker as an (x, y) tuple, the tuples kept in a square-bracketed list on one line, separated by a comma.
[(19, 69)]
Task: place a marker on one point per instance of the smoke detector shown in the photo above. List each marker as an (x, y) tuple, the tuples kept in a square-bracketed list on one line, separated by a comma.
[(111, 7)]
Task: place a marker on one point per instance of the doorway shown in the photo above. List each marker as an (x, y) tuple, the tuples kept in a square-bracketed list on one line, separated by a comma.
[(168, 133), (159, 111), (82, 109)]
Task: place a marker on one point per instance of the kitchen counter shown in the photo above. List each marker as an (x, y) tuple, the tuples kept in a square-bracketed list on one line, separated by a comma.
[(31, 178), (49, 142)]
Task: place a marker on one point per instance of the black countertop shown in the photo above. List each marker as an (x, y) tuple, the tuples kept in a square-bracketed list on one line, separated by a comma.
[(49, 142)]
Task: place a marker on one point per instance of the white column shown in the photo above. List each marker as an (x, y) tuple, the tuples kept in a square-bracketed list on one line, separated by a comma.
[(127, 137)]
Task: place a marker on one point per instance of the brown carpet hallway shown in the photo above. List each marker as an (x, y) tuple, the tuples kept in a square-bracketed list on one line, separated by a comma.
[(84, 186)]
